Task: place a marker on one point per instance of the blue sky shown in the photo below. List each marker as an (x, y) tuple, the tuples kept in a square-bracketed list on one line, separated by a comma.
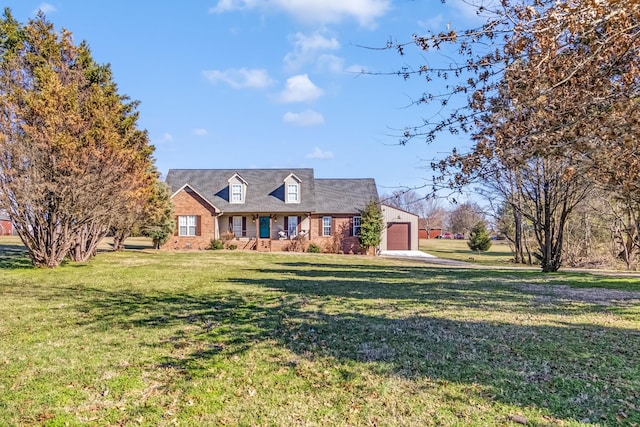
[(269, 83)]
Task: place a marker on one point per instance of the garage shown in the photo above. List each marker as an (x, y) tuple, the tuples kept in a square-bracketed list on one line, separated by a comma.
[(398, 236), (401, 230)]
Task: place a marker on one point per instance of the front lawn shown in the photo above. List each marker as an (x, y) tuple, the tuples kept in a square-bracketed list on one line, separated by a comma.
[(237, 338)]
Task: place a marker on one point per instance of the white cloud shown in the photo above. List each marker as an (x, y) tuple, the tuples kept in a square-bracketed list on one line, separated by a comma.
[(46, 8), (317, 153), (306, 49), (200, 132), (365, 12), (305, 118), (164, 139), (330, 63), (240, 78), (300, 89)]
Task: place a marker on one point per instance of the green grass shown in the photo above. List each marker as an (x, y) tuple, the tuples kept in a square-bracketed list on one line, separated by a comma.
[(237, 338), (458, 250)]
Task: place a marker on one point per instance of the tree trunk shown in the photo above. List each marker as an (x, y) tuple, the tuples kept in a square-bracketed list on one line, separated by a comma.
[(47, 242), (119, 237), (517, 241), (85, 245)]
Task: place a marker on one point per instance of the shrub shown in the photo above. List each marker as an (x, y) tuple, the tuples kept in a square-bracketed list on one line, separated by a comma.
[(313, 248), (479, 239), (232, 247), (297, 244), (216, 244)]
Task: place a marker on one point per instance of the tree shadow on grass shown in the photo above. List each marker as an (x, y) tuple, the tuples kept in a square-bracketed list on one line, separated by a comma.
[(597, 279), (571, 371), (14, 256), (503, 290)]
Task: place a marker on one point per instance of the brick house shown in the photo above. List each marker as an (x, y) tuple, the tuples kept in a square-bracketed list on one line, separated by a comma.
[(267, 209)]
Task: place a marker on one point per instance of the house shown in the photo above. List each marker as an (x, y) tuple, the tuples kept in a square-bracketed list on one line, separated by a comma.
[(267, 209), (6, 226)]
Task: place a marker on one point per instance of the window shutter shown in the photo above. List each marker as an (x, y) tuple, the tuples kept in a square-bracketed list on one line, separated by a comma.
[(230, 223), (244, 226), (320, 229), (286, 224), (299, 227), (198, 226), (351, 226), (177, 233)]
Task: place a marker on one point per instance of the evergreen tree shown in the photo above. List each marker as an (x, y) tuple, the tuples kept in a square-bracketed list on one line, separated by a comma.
[(479, 239), (71, 155), (371, 225)]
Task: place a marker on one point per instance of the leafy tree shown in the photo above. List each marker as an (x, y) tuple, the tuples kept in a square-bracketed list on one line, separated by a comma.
[(479, 239), (371, 225), (159, 222), (70, 153), (552, 99)]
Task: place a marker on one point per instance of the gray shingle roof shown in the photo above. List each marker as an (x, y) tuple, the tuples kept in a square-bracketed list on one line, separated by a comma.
[(344, 195), (265, 190)]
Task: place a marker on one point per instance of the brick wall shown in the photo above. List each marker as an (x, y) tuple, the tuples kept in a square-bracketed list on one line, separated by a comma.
[(341, 240), (187, 202)]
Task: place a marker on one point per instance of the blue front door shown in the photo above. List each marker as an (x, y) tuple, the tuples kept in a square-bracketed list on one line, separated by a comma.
[(264, 227)]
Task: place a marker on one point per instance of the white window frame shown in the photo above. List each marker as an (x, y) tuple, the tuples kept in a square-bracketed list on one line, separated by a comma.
[(237, 226), (326, 225), (293, 193), (293, 226), (357, 223), (237, 193), (187, 225)]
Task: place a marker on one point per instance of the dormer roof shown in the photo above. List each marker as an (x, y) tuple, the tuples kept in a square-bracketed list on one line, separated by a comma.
[(238, 177), (294, 177)]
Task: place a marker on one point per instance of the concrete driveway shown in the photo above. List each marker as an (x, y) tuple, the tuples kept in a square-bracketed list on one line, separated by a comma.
[(423, 256)]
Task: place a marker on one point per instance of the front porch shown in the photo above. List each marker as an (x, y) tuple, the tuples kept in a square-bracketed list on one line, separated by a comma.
[(265, 232)]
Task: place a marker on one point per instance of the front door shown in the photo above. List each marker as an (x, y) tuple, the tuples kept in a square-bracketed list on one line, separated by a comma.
[(264, 227)]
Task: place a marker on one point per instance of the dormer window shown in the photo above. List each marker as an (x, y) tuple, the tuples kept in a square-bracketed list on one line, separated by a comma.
[(292, 193), (237, 189), (237, 195), (292, 189)]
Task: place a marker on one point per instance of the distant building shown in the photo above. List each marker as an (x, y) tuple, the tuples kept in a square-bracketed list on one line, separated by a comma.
[(429, 229), (6, 226)]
